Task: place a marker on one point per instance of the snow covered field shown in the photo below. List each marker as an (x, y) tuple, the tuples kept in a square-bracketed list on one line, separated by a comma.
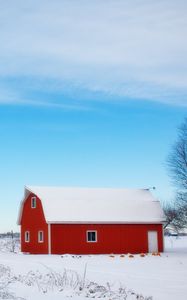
[(39, 277)]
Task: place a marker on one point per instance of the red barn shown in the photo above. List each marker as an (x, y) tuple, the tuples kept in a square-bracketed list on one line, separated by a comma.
[(56, 220)]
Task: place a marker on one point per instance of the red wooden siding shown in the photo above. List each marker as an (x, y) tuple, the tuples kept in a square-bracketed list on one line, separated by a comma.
[(71, 238), (118, 238), (33, 220)]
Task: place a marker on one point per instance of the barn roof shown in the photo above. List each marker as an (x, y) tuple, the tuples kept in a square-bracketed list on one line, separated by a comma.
[(96, 205)]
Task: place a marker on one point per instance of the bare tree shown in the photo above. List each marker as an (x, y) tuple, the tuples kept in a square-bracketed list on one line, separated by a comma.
[(174, 217), (177, 160), (177, 164)]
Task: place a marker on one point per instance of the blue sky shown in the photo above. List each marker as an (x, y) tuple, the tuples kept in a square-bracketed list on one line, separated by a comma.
[(91, 94)]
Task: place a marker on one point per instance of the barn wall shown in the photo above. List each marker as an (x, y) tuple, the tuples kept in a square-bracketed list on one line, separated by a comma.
[(123, 238), (33, 220)]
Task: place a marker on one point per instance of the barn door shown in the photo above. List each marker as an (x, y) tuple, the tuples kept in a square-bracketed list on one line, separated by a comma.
[(152, 241)]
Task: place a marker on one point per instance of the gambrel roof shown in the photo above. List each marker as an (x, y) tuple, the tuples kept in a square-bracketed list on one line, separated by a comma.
[(96, 205)]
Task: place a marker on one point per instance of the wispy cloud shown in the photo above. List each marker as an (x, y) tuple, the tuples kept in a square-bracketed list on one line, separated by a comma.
[(135, 49), (8, 97)]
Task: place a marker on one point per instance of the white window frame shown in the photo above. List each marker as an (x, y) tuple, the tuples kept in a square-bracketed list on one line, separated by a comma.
[(27, 236), (33, 202), (95, 236), (40, 240)]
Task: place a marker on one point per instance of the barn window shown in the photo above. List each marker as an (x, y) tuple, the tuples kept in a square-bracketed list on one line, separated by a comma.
[(40, 236), (27, 236), (91, 236), (33, 202)]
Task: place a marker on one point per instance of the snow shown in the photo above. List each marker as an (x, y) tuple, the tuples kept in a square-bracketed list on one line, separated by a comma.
[(54, 277), (100, 205)]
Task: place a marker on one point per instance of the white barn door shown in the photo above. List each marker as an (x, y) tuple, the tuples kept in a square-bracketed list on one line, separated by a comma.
[(152, 241)]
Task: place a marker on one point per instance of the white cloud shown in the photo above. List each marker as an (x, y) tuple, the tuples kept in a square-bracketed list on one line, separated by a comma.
[(135, 49)]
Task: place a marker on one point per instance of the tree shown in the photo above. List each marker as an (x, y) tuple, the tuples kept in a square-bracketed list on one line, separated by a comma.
[(177, 164), (174, 217), (177, 160)]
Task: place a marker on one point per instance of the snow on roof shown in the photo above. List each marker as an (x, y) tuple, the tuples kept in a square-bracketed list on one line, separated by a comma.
[(97, 205)]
